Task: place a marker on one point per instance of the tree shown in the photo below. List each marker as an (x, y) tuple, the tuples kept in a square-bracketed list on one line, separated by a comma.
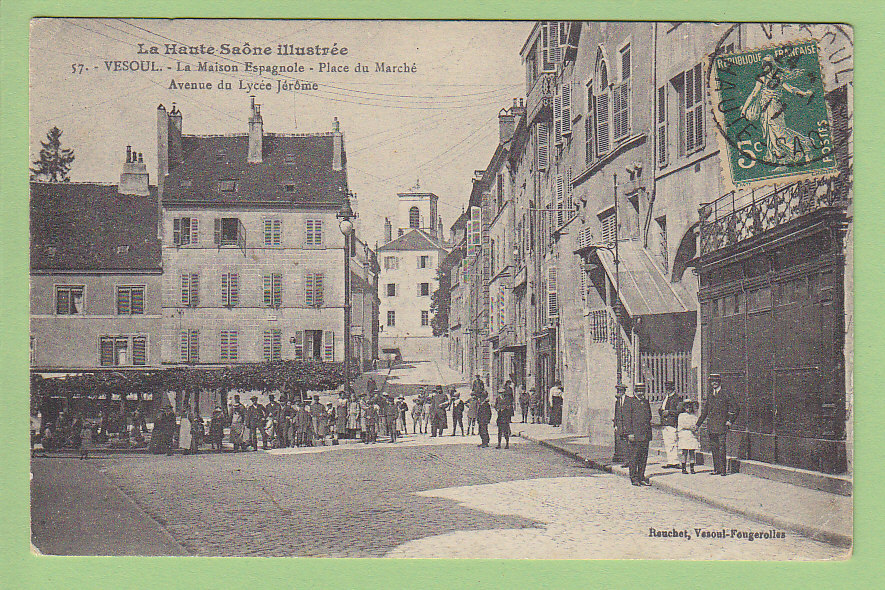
[(440, 302), (54, 162)]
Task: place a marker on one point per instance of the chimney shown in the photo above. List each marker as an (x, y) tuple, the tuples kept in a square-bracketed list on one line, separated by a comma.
[(388, 230), (256, 135), (162, 147), (176, 153), (134, 179), (506, 124), (337, 145), (518, 107)]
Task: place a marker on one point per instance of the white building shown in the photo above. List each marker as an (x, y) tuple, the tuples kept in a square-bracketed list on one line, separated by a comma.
[(409, 265)]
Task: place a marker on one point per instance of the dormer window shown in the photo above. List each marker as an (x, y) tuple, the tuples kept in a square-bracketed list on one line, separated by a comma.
[(227, 186), (289, 159), (220, 158), (289, 188), (122, 249), (187, 183)]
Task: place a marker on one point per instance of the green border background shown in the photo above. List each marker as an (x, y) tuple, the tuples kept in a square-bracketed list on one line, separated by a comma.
[(20, 569)]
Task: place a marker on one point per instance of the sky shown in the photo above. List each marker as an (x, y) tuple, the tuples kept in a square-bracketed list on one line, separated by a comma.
[(434, 126)]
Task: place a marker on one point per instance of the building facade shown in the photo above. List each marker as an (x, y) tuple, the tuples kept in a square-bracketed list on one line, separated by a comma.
[(602, 248), (96, 277), (252, 253)]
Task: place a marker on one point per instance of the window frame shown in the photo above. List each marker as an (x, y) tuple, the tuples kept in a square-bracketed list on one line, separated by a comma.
[(273, 232), (313, 232), (228, 345), (69, 288), (272, 290), (130, 289), (391, 318)]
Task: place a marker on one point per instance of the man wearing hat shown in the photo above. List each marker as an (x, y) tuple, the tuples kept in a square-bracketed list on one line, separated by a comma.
[(622, 447), (255, 422), (637, 424), (669, 412), (483, 417), (722, 411), (457, 413)]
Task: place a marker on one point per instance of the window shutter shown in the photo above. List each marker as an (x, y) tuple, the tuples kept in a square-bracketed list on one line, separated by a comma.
[(62, 301), (557, 115), (218, 231), (602, 124), (661, 121), (569, 192), (233, 337), (277, 232), (567, 108), (555, 47), (225, 290), (308, 289), (225, 345), (185, 289), (195, 232), (176, 231), (194, 346), (329, 346), (698, 107), (106, 352), (139, 350), (123, 301), (183, 340), (318, 289), (299, 345), (588, 126), (195, 290), (268, 290), (136, 304), (621, 110), (277, 290), (276, 345), (234, 289), (318, 231), (268, 232), (559, 201), (267, 345), (543, 145), (552, 296)]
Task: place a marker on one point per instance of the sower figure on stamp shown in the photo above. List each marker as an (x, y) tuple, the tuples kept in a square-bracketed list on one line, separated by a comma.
[(637, 423), (669, 412), (722, 411)]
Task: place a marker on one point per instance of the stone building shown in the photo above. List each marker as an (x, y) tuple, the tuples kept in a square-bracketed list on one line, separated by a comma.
[(252, 253), (96, 277), (408, 278)]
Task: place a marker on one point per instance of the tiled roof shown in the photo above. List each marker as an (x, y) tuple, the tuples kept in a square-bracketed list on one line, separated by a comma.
[(301, 161), (415, 239), (86, 226)]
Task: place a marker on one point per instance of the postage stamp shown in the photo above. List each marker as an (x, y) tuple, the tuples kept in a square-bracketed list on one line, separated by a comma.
[(771, 112)]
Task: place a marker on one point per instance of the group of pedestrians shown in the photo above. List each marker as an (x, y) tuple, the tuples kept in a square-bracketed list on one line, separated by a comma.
[(680, 422)]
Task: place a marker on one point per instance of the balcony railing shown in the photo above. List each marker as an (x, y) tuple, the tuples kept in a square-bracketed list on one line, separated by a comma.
[(735, 217), (539, 104)]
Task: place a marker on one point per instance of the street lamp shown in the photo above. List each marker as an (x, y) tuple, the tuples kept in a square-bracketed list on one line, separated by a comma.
[(346, 214)]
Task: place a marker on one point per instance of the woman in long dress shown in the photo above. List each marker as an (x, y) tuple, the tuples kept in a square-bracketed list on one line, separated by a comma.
[(237, 426), (783, 145), (184, 432), (353, 415)]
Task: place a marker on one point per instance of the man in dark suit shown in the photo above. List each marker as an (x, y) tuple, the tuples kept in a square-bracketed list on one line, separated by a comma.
[(637, 423), (621, 445), (254, 422), (722, 412), (483, 417)]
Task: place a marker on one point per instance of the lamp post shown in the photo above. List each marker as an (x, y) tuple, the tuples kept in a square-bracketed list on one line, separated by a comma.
[(346, 214)]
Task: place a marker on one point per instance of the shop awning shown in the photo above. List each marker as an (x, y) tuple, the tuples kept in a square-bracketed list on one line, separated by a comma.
[(644, 290)]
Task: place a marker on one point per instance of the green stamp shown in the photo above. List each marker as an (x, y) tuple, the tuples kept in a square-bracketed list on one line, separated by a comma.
[(771, 110)]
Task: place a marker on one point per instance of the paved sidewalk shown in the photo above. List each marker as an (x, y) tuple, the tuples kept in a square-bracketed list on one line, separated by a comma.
[(815, 514)]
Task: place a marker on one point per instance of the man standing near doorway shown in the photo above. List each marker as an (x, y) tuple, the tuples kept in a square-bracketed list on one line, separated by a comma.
[(637, 423), (622, 447), (669, 412), (722, 411)]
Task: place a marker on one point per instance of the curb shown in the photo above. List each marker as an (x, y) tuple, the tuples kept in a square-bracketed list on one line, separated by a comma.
[(812, 532)]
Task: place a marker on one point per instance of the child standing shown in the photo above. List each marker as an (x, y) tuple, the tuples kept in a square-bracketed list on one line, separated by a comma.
[(686, 441), (216, 429)]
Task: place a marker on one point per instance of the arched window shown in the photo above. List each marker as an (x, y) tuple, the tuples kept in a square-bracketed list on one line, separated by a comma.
[(414, 218)]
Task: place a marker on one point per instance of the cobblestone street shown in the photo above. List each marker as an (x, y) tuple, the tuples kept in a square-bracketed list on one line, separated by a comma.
[(421, 498)]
